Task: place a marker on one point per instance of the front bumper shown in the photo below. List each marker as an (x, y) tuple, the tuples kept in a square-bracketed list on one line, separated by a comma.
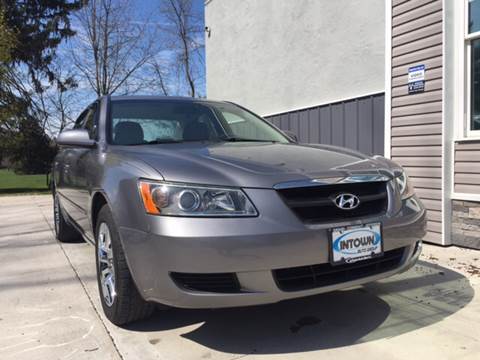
[(251, 248)]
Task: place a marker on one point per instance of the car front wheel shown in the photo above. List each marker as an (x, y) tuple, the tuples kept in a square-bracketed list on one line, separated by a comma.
[(120, 298)]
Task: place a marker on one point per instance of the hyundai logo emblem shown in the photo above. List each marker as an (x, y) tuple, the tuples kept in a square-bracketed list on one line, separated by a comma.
[(347, 201)]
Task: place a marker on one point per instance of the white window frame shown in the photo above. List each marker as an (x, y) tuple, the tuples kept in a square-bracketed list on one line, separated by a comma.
[(467, 51)]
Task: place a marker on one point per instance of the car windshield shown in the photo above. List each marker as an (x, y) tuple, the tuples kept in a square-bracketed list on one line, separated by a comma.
[(140, 122)]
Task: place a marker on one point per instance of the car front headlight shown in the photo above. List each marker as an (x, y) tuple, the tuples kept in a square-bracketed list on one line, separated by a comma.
[(404, 186), (163, 198)]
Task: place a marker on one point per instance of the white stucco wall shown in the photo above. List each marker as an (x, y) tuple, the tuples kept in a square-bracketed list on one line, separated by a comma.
[(277, 55)]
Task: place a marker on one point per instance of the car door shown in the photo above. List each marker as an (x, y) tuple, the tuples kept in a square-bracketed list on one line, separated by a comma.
[(73, 187), (65, 180), (82, 164), (86, 169)]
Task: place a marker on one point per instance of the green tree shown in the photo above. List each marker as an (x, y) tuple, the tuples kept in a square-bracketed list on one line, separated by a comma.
[(31, 150), (30, 33), (39, 27), (6, 39), (6, 43)]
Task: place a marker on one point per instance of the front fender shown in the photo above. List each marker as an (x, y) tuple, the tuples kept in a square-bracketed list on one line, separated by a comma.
[(118, 184)]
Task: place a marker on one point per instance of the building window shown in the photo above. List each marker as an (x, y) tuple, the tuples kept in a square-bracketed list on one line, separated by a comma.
[(472, 42), (475, 86)]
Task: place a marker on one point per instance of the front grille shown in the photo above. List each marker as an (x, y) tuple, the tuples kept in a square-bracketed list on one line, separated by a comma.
[(313, 276), (214, 282), (316, 204)]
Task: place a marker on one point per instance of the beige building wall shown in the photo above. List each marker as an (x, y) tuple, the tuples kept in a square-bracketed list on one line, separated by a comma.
[(467, 168), (416, 119)]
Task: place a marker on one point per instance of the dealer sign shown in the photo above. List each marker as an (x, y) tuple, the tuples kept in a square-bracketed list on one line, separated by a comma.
[(416, 79)]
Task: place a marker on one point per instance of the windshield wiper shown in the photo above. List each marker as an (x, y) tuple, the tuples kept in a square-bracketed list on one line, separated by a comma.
[(238, 139), (163, 141)]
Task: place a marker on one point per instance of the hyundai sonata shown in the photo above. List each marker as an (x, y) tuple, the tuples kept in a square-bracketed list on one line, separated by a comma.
[(203, 204)]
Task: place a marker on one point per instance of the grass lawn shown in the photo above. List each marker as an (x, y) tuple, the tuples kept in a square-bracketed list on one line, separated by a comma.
[(11, 183)]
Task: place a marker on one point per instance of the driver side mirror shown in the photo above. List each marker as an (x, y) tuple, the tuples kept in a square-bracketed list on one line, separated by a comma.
[(291, 135), (76, 138)]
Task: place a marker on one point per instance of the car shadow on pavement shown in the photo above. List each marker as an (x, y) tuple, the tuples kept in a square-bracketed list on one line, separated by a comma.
[(418, 298)]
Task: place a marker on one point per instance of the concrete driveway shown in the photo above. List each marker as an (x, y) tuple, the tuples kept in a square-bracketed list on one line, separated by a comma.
[(50, 309)]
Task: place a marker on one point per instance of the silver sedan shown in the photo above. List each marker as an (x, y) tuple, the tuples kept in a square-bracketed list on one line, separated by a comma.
[(202, 204)]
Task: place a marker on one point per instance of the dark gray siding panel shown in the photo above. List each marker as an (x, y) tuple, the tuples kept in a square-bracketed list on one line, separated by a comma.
[(304, 124), (357, 124), (325, 125), (338, 131), (378, 125), (314, 125), (365, 126), (351, 131), (284, 124)]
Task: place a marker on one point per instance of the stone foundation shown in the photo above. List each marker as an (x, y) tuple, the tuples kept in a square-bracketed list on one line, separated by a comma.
[(466, 223)]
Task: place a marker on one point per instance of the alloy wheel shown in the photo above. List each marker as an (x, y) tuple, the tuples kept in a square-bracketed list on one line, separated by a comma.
[(105, 264)]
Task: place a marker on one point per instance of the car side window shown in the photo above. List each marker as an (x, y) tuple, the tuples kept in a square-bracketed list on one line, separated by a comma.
[(80, 121), (90, 122)]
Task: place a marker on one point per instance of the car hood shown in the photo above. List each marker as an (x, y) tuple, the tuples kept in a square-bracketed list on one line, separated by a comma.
[(258, 165)]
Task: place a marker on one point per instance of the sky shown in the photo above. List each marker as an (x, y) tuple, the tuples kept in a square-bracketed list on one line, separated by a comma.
[(150, 8), (145, 11)]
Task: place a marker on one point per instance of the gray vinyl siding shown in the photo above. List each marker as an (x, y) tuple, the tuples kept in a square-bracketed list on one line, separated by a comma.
[(358, 124), (467, 167), (416, 133)]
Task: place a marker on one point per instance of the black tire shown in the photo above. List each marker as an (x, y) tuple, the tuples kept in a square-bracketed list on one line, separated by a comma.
[(64, 232), (127, 305)]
